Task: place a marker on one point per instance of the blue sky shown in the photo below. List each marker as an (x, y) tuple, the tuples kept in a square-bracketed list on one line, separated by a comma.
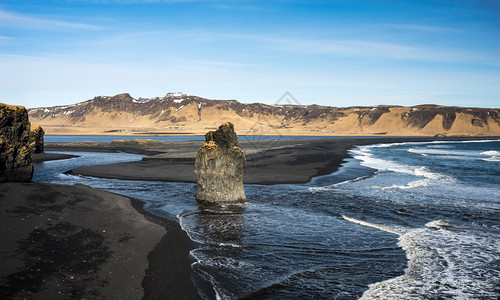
[(337, 53)]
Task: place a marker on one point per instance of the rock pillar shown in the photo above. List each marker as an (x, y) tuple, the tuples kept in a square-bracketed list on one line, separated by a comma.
[(15, 156), (219, 167)]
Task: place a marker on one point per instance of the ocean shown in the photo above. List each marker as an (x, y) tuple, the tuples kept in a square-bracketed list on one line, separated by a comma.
[(397, 221)]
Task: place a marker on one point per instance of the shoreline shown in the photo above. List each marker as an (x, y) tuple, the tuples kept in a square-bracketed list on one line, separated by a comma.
[(42, 157), (281, 161), (169, 273), (64, 130), (350, 170)]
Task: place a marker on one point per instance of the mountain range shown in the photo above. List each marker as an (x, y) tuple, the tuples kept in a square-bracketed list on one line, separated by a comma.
[(178, 113)]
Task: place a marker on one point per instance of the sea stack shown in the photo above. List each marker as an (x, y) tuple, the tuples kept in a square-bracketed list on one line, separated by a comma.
[(219, 167), (15, 156)]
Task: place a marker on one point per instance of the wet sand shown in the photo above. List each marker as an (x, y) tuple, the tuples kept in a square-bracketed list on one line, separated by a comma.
[(41, 157), (63, 242)]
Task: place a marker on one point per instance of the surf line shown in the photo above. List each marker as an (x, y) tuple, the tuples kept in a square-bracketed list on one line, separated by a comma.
[(394, 230)]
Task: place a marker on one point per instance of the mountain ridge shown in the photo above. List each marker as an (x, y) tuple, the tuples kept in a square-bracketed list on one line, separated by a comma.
[(178, 113)]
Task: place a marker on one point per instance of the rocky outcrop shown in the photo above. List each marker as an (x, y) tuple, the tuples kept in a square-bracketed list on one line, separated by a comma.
[(36, 139), (15, 156), (219, 167)]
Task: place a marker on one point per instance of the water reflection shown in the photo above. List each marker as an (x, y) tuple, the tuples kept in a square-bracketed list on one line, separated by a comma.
[(224, 224)]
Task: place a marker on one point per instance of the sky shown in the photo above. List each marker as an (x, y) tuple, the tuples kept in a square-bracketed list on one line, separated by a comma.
[(336, 53)]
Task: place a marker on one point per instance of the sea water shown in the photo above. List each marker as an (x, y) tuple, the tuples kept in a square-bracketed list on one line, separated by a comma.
[(398, 221)]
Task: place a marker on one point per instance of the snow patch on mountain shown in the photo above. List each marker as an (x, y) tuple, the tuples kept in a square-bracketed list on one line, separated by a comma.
[(176, 95)]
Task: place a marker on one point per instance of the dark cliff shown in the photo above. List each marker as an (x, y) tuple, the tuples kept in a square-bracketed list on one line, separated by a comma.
[(15, 156)]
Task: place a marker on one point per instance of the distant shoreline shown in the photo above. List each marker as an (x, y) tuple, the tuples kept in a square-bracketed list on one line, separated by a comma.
[(202, 133)]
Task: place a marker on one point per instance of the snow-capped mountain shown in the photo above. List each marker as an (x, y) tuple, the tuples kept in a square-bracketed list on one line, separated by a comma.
[(193, 114)]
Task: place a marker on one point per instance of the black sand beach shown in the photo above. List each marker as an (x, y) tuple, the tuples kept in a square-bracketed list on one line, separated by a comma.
[(41, 157), (279, 161), (75, 242), (78, 242)]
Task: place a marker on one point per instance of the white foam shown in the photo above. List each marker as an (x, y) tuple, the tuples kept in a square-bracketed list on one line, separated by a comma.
[(390, 229), (410, 185), (433, 143), (440, 146), (194, 236), (494, 158), (495, 155), (440, 152), (364, 154), (424, 172), (386, 165), (221, 262), (333, 186), (478, 141), (229, 245), (491, 152), (438, 224), (443, 263)]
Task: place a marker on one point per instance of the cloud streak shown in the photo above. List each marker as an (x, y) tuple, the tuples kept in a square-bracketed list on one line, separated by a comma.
[(261, 44), (138, 1), (20, 21), (375, 49), (222, 63), (362, 48), (419, 27)]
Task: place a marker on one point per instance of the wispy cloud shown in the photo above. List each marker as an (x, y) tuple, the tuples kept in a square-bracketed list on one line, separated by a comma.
[(239, 7), (362, 48), (15, 20), (222, 63), (420, 27), (383, 50), (221, 4), (335, 48), (136, 1), (4, 38), (349, 48)]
